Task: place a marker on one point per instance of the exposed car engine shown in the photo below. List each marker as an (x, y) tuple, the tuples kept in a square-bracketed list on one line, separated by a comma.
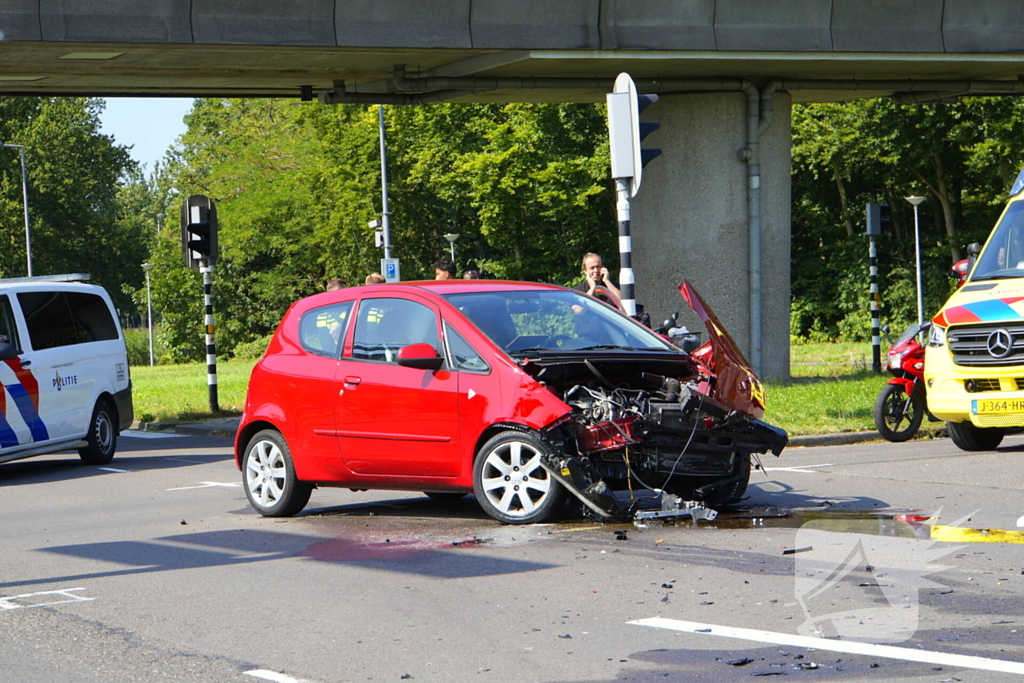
[(671, 438)]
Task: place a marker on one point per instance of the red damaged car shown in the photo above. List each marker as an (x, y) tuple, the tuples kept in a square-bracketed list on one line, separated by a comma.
[(523, 394)]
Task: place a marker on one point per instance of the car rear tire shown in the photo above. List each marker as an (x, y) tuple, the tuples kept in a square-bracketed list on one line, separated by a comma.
[(268, 475), (895, 419), (967, 437), (101, 440), (445, 496), (510, 483)]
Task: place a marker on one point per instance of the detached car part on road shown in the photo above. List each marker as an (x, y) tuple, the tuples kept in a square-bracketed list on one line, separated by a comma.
[(520, 393)]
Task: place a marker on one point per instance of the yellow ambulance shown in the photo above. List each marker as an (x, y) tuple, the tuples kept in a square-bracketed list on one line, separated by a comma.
[(974, 361)]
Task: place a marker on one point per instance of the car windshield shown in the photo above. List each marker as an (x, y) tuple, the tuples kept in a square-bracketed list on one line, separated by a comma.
[(1004, 255), (552, 320)]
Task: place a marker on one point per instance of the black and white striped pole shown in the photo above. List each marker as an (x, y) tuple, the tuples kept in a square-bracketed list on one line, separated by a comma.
[(211, 335), (626, 277), (625, 131), (199, 249), (874, 224)]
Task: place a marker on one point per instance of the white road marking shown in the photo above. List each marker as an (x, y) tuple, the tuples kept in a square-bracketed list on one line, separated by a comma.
[(847, 646), (803, 469), (7, 603), (111, 469), (205, 485), (137, 434), (274, 676), (1020, 522)]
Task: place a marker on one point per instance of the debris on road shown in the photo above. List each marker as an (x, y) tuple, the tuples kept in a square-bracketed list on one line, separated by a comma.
[(793, 551), (472, 541)]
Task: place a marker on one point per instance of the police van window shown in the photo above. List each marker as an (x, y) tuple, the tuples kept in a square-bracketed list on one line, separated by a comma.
[(49, 320), (385, 326), (322, 330), (8, 327), (92, 316)]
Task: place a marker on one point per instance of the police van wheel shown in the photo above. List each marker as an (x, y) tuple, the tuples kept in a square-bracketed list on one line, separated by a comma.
[(101, 440)]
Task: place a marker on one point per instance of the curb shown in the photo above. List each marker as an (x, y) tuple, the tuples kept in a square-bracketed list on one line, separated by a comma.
[(152, 426), (224, 427), (848, 438), (199, 429)]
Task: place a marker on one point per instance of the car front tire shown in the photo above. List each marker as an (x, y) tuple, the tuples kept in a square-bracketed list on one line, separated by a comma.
[(101, 440), (510, 483), (268, 475), (967, 437)]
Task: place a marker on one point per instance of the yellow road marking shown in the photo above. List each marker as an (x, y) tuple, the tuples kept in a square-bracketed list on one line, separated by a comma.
[(955, 534)]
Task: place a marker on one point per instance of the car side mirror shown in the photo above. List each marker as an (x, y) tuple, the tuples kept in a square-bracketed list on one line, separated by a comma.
[(8, 351), (973, 249), (420, 356)]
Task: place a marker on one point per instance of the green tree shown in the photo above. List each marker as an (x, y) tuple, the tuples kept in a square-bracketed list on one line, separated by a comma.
[(75, 176)]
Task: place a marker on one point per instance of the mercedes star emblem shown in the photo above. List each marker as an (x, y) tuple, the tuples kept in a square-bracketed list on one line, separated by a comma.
[(1000, 344)]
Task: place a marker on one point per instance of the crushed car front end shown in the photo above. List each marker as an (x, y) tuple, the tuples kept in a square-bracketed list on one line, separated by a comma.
[(644, 420)]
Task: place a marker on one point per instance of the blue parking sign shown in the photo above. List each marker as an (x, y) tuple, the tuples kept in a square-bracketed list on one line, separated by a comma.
[(390, 270)]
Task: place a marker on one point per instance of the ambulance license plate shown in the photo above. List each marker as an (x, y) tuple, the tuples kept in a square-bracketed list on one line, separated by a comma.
[(997, 407)]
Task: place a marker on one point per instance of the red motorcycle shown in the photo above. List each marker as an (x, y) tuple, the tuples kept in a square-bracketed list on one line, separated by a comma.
[(901, 405)]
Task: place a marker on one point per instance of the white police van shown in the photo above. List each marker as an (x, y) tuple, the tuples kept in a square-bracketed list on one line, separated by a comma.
[(63, 368)]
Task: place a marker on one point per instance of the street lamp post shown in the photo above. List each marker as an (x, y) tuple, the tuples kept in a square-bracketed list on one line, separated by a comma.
[(451, 237), (916, 201), (149, 310), (24, 198)]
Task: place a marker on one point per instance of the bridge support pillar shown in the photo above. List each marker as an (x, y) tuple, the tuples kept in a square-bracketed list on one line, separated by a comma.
[(690, 219)]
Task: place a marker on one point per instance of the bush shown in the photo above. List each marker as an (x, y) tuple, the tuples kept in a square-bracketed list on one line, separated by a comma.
[(136, 339), (251, 350)]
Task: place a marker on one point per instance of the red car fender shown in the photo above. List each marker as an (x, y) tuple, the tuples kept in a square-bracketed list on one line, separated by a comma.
[(268, 412)]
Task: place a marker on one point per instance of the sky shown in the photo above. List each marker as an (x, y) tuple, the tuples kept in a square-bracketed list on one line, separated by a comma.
[(148, 124)]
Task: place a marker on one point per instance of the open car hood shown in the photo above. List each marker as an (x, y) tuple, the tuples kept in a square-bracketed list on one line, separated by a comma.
[(736, 383)]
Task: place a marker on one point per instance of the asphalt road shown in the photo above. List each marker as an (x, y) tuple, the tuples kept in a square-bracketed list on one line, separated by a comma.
[(156, 569)]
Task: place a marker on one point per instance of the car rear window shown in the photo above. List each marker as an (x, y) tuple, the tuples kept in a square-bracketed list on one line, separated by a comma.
[(64, 318), (322, 329)]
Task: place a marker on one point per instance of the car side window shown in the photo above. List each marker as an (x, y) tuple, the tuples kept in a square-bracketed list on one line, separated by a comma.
[(8, 326), (385, 326), (49, 320), (464, 357), (322, 329)]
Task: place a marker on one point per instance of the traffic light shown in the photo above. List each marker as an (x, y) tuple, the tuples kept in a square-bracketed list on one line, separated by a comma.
[(198, 231), (626, 131), (879, 218)]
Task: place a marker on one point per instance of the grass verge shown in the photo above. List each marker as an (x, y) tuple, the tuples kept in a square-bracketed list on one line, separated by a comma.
[(179, 393)]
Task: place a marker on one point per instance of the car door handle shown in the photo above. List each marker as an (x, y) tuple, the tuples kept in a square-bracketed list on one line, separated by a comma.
[(26, 363), (353, 380)]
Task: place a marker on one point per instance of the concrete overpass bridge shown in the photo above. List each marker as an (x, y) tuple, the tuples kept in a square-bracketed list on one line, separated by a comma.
[(714, 208)]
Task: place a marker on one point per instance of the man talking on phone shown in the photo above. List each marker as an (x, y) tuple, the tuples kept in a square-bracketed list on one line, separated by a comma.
[(596, 275)]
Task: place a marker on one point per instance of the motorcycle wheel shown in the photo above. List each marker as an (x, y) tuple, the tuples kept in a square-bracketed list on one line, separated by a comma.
[(896, 418)]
